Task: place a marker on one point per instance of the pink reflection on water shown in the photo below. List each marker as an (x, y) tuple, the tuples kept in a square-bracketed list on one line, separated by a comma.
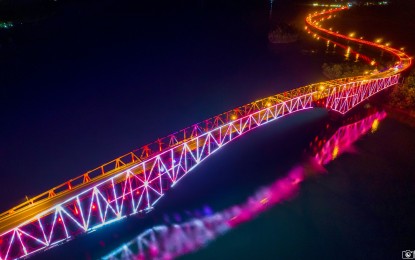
[(282, 189), (345, 136), (169, 242)]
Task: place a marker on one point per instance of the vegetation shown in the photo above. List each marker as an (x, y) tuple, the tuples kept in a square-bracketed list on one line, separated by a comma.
[(283, 33), (403, 95), (346, 69)]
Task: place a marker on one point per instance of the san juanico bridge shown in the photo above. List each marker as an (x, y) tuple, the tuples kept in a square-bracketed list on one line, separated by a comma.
[(135, 182)]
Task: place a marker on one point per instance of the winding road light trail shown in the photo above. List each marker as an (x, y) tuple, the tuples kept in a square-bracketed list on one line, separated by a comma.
[(134, 183)]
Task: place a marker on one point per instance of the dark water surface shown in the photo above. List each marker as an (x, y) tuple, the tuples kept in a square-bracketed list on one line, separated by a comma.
[(361, 210), (98, 79)]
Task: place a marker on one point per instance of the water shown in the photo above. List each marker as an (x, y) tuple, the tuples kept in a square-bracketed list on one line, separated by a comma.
[(164, 242), (361, 209), (97, 79)]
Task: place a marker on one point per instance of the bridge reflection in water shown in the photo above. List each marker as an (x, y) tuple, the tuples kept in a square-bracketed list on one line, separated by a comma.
[(171, 241)]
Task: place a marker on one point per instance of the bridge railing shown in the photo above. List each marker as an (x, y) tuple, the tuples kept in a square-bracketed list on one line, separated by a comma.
[(322, 90), (162, 144), (174, 139)]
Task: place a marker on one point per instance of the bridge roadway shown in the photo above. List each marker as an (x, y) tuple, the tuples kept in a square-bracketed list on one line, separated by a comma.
[(15, 219), (10, 220), (33, 209)]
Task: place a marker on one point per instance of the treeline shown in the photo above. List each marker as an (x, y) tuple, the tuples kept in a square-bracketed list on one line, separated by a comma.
[(283, 33), (403, 95), (343, 70)]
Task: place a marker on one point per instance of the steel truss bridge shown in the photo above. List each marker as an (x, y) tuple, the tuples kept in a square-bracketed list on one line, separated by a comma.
[(133, 183)]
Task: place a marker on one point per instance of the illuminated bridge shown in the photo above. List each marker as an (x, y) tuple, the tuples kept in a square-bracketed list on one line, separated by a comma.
[(133, 183)]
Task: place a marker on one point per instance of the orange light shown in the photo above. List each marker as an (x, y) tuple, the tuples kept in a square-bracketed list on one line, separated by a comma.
[(264, 200), (375, 125), (335, 152)]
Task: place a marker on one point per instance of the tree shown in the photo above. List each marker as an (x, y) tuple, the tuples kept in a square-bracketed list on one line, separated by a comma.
[(403, 95)]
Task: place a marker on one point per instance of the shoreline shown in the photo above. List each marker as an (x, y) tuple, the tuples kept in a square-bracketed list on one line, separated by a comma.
[(400, 115)]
